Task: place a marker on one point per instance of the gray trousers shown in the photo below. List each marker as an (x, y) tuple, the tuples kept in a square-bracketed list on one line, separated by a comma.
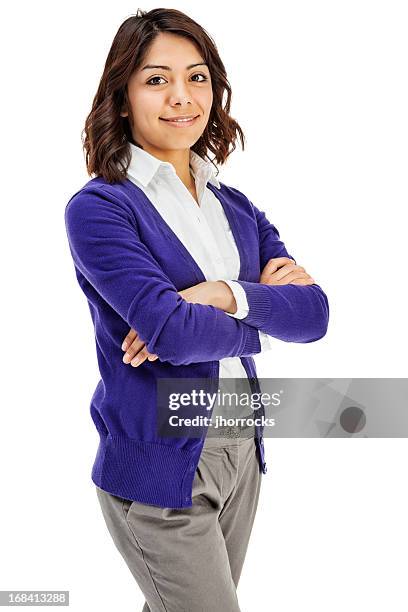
[(190, 559)]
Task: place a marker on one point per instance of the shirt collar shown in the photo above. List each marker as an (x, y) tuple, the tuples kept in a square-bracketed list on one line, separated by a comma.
[(144, 166)]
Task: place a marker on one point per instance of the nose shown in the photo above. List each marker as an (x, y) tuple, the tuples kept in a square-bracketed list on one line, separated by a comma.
[(180, 95)]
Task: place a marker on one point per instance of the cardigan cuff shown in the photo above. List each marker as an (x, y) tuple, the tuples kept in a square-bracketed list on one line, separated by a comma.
[(259, 304), (252, 344)]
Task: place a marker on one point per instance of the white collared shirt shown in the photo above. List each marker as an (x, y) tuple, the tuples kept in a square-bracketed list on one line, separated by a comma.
[(203, 229)]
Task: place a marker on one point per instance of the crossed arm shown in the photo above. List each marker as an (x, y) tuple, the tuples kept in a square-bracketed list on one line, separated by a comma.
[(277, 271), (108, 252), (306, 312)]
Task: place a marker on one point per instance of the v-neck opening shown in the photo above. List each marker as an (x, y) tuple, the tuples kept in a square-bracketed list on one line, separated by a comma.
[(179, 244)]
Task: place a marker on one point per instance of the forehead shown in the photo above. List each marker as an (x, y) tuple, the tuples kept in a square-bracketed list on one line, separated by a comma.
[(173, 50)]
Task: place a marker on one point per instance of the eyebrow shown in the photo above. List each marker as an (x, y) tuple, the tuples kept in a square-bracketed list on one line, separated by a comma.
[(149, 66)]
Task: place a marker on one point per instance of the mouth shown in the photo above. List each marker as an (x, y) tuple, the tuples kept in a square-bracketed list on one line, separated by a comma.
[(180, 121)]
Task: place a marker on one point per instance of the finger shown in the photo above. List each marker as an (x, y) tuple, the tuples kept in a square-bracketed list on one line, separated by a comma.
[(285, 270), (132, 350), (152, 357), (304, 281), (129, 339), (139, 358), (275, 263), (302, 277), (288, 278), (280, 272)]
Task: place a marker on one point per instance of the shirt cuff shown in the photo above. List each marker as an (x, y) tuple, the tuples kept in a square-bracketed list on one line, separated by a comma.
[(265, 341), (240, 298), (243, 309)]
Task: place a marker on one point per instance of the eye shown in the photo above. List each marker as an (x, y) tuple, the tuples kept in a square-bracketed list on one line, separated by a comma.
[(201, 74), (149, 82)]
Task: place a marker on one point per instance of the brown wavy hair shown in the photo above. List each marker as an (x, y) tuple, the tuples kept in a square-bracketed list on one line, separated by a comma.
[(106, 134)]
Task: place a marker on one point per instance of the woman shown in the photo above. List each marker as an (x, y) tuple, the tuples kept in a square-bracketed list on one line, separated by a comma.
[(185, 279)]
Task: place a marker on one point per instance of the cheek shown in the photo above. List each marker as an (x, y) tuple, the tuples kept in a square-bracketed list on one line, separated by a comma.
[(205, 100), (146, 106)]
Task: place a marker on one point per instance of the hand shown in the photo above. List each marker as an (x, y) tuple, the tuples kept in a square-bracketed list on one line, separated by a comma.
[(202, 293), (213, 293), (136, 351), (283, 271)]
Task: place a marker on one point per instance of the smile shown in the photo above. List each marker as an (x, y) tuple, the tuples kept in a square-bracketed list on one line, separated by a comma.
[(180, 122)]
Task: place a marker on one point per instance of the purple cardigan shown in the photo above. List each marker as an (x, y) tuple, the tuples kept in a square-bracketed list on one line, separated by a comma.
[(131, 265)]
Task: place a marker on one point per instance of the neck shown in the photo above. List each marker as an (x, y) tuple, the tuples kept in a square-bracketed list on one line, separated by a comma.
[(180, 159)]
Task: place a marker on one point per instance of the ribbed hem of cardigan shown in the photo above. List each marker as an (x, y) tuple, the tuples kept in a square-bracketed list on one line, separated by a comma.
[(146, 472), (252, 344), (259, 305)]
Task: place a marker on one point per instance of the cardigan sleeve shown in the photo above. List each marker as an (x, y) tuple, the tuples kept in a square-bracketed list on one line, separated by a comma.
[(107, 250), (243, 309), (292, 313)]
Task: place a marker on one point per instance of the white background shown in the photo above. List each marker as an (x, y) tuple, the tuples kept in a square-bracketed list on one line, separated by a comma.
[(320, 90)]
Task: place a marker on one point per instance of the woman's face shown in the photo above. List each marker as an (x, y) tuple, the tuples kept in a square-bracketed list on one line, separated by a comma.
[(158, 92)]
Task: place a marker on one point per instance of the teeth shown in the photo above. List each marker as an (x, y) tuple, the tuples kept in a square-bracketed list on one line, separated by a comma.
[(180, 120)]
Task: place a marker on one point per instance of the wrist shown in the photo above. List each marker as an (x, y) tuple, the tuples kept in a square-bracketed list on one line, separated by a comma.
[(225, 298)]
